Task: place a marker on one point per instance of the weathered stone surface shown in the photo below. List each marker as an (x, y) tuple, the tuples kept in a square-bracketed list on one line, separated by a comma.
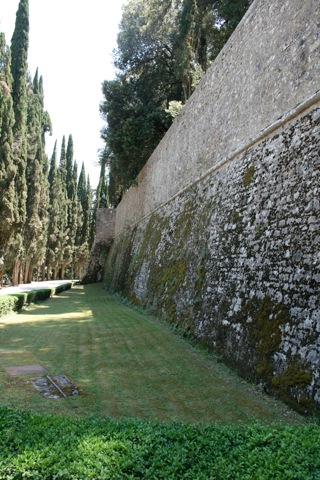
[(229, 263), (269, 67), (221, 235), (105, 225)]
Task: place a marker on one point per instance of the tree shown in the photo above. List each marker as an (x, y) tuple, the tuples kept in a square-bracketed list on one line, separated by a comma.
[(8, 170), (57, 218), (65, 252), (83, 233), (73, 209), (19, 68), (35, 228)]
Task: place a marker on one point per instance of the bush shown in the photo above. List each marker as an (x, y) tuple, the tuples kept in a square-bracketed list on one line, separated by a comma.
[(7, 303), (46, 447), (39, 295), (20, 300), (16, 301), (62, 288)]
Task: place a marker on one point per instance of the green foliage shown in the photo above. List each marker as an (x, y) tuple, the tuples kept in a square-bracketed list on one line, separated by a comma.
[(20, 300), (19, 65), (62, 288), (19, 69), (36, 223), (43, 447), (7, 303), (8, 204)]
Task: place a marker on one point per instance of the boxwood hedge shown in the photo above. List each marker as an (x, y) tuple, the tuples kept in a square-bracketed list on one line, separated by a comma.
[(16, 301), (46, 447)]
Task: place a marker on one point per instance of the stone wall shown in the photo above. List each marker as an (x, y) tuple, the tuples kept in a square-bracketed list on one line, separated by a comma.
[(234, 262), (221, 235), (269, 68), (105, 226)]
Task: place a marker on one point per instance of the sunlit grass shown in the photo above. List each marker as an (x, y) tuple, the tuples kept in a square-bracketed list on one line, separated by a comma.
[(124, 363)]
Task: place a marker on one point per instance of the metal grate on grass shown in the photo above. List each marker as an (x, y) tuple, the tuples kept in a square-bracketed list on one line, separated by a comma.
[(55, 387)]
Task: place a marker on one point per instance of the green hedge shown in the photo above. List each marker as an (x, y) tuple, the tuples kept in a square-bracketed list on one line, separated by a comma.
[(62, 288), (45, 447), (7, 304), (16, 301)]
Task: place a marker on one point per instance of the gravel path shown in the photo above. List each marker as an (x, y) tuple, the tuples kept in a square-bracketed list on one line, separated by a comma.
[(26, 287)]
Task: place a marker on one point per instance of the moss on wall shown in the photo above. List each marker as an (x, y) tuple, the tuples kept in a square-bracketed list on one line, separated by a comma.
[(293, 382), (248, 176), (218, 262)]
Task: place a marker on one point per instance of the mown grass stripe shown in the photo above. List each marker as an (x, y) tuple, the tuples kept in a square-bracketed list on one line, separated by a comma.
[(124, 363)]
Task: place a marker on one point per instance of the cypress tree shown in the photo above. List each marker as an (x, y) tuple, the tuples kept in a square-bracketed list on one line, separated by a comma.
[(19, 68), (7, 167), (64, 252), (46, 120), (35, 228), (56, 216), (81, 190), (66, 169), (84, 200), (63, 162), (70, 185)]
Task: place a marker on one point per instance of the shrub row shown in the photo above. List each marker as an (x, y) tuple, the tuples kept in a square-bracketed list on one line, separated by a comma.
[(16, 301), (45, 447)]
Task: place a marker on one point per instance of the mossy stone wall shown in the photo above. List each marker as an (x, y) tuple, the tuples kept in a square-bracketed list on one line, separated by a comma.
[(234, 262), (220, 234)]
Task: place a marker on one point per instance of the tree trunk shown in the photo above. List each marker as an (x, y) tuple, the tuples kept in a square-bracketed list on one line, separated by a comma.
[(20, 276), (15, 272), (26, 272), (29, 274), (43, 272)]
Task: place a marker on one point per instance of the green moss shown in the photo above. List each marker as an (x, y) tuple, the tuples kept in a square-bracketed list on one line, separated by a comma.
[(248, 176), (171, 276), (152, 235), (292, 383), (266, 334), (200, 278), (184, 224), (164, 283), (295, 375)]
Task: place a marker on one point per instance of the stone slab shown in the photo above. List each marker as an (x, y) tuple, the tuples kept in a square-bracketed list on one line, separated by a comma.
[(25, 369)]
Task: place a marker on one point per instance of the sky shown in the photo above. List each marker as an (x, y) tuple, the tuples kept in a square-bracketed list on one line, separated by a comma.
[(71, 43)]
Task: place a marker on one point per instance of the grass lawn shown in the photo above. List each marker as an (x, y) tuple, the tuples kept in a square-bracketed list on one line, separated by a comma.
[(125, 364)]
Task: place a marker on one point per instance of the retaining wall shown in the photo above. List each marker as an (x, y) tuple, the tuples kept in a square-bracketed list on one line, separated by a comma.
[(221, 234)]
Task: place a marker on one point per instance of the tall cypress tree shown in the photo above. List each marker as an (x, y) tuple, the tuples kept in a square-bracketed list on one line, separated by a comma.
[(63, 162), (56, 212), (66, 169), (63, 234), (83, 234), (35, 228), (7, 167), (19, 68), (69, 168)]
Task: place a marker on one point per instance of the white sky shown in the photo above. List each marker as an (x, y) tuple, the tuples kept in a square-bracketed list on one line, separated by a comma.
[(71, 42)]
